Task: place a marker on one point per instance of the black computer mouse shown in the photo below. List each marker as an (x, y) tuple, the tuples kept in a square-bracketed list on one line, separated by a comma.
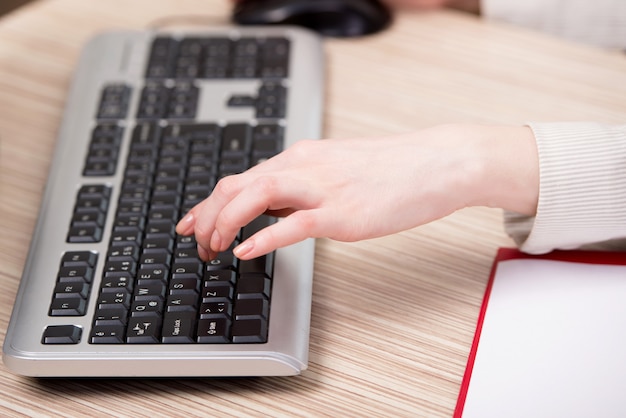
[(339, 18)]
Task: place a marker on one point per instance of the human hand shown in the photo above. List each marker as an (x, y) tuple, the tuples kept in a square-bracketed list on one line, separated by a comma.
[(354, 189)]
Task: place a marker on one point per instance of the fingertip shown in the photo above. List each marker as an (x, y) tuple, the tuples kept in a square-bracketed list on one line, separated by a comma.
[(244, 250), (203, 254), (186, 224), (215, 242)]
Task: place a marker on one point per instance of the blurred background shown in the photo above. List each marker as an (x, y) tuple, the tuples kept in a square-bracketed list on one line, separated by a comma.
[(7, 6)]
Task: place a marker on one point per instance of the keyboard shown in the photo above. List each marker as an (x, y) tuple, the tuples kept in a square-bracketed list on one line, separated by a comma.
[(153, 120)]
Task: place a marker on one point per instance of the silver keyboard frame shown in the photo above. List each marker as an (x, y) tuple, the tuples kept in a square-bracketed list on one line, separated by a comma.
[(121, 57)]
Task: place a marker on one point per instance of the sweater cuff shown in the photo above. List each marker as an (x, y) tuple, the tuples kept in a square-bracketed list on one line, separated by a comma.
[(582, 191)]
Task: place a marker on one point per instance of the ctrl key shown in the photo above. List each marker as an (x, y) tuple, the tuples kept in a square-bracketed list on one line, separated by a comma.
[(62, 334)]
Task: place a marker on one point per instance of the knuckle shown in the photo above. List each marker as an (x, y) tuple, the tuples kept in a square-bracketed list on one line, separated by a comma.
[(302, 148), (224, 221), (307, 222), (266, 186), (226, 186)]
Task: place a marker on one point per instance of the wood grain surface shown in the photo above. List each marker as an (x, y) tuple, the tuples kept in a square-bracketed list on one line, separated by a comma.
[(392, 318)]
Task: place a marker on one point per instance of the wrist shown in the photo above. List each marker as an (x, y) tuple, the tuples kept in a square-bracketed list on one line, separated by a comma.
[(505, 168)]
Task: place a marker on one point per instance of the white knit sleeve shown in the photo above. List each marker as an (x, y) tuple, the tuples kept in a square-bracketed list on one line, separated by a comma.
[(582, 191), (597, 22)]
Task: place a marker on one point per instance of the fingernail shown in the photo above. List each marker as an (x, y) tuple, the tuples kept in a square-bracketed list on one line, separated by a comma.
[(243, 249), (216, 241), (184, 224)]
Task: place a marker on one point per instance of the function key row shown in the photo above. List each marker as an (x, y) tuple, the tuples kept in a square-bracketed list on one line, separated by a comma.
[(114, 102), (179, 102), (269, 103), (104, 148), (90, 210), (214, 58), (73, 284), (161, 102)]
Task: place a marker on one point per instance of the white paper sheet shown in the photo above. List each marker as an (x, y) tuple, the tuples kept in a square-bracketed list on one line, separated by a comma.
[(553, 343)]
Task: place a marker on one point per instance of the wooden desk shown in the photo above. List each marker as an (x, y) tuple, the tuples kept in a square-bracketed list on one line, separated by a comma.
[(393, 318)]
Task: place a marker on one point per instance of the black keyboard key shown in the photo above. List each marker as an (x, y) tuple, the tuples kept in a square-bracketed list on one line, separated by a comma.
[(125, 220), (113, 282), (225, 260), (90, 203), (150, 290), (186, 253), (99, 168), (158, 244), (217, 291), (145, 275), (85, 234), (185, 285), (93, 218), (182, 302), (79, 258), (77, 289), (183, 101), (73, 273), (236, 139), (215, 277), (179, 327), (256, 225), (75, 306), (114, 300), (62, 334), (271, 101), (143, 330), (150, 307), (214, 330), (155, 259), (274, 59), (122, 265), (241, 100), (126, 236), (253, 286), (249, 331), (260, 265), (117, 316), (161, 56), (114, 102), (118, 252), (107, 334), (252, 308), (154, 101), (216, 309)]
